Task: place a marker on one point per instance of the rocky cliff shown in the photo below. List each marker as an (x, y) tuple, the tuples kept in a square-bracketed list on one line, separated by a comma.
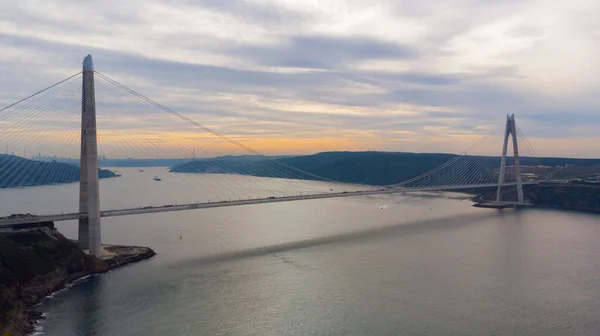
[(37, 262)]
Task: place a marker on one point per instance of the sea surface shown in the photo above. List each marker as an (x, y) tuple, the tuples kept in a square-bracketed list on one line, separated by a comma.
[(401, 265)]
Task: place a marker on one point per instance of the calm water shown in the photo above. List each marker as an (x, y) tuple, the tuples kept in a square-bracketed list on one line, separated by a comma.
[(420, 266)]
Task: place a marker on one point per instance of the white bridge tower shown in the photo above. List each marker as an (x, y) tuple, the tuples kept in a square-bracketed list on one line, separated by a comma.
[(89, 198), (511, 130)]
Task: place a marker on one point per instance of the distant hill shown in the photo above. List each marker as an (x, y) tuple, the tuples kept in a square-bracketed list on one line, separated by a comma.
[(247, 158), (374, 168), (16, 171)]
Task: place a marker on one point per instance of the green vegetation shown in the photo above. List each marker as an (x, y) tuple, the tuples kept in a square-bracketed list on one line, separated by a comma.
[(32, 265), (374, 168), (16, 172)]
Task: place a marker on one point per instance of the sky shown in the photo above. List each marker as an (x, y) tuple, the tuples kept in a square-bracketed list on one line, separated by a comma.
[(299, 77)]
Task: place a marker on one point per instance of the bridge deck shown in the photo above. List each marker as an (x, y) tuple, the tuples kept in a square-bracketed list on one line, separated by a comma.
[(7, 221)]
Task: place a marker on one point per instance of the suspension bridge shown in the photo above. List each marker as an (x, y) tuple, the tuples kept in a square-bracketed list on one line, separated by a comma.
[(90, 111)]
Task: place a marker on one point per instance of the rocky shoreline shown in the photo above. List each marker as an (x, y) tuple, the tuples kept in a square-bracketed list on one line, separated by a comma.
[(566, 197), (38, 262)]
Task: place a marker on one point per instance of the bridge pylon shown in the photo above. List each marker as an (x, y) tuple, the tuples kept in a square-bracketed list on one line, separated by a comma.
[(89, 236), (510, 131)]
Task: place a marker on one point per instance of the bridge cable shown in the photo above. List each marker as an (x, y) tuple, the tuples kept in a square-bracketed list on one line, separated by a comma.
[(206, 129), (41, 91)]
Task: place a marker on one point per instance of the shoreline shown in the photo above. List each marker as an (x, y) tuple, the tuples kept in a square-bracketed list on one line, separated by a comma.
[(51, 275), (565, 209), (476, 202), (118, 256), (580, 198)]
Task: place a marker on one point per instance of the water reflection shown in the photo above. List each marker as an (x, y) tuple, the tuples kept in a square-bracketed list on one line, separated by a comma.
[(511, 254), (88, 317), (396, 230)]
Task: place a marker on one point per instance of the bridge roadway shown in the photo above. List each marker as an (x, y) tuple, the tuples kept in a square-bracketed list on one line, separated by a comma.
[(219, 204)]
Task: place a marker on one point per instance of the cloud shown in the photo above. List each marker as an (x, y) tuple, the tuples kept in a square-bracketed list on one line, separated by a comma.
[(263, 13), (324, 52), (394, 75)]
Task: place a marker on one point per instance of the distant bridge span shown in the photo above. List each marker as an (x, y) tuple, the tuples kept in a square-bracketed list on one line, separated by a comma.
[(219, 204)]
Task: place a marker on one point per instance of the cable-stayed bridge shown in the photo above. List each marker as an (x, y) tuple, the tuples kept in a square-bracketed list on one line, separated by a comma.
[(89, 114)]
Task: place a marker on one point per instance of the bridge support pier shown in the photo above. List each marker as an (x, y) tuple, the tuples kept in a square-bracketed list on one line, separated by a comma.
[(511, 130), (89, 236)]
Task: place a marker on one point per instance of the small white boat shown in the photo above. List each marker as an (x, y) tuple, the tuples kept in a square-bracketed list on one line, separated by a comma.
[(156, 178)]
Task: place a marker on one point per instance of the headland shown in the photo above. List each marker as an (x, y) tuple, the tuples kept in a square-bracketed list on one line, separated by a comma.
[(37, 260)]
